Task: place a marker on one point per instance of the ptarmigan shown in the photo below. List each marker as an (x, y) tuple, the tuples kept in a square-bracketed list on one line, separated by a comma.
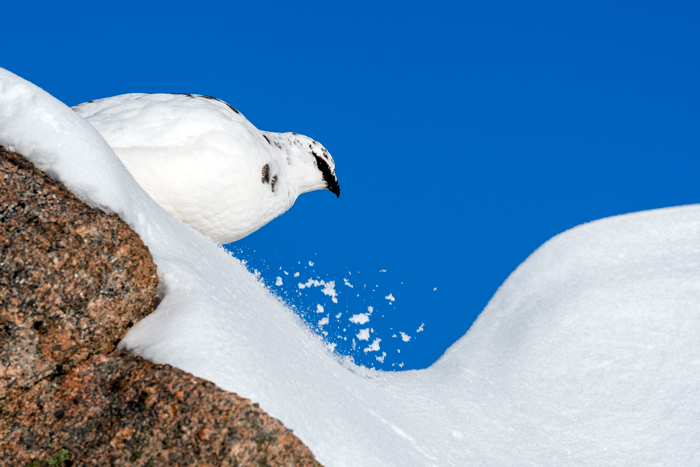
[(206, 164)]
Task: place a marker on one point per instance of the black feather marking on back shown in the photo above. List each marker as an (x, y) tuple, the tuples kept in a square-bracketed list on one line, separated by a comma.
[(205, 97), (266, 173), (215, 99)]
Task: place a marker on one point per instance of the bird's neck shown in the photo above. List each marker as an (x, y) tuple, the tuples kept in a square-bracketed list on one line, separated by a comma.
[(303, 173)]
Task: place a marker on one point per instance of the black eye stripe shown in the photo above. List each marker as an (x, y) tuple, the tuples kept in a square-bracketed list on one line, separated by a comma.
[(331, 181), (320, 162)]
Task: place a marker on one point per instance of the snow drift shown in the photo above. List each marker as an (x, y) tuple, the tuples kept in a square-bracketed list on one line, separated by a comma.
[(587, 355)]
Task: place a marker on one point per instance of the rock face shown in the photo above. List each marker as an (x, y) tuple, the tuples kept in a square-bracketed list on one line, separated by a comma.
[(72, 281), (72, 278), (121, 410)]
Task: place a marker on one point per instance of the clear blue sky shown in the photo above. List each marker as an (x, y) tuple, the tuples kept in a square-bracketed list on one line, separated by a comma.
[(465, 134)]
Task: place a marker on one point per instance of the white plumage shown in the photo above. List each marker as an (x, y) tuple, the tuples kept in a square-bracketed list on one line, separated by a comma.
[(206, 164)]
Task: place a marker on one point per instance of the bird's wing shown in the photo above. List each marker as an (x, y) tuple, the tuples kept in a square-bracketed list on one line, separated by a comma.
[(163, 120)]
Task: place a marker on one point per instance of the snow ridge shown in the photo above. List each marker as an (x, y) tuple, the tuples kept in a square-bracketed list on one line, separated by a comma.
[(588, 354)]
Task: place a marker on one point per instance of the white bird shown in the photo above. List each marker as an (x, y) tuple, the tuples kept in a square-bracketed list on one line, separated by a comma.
[(206, 164)]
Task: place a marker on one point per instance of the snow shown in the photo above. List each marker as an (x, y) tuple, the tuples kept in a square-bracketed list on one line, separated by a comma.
[(328, 287), (360, 318), (390, 297), (374, 346), (323, 322), (405, 337), (363, 335), (588, 354), (278, 282)]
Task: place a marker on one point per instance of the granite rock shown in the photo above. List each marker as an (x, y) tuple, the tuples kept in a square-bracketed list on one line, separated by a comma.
[(124, 411), (73, 280)]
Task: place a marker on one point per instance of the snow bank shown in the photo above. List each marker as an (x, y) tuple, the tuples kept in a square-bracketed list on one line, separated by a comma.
[(587, 355)]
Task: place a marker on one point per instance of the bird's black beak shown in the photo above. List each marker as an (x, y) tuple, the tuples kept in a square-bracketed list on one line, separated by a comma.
[(328, 176), (333, 186)]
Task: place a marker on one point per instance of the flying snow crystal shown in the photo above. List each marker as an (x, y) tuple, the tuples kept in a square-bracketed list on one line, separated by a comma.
[(363, 335), (360, 318), (405, 337), (310, 283), (420, 329), (347, 282), (382, 270), (303, 299), (374, 346), (390, 297), (319, 308), (158, 135), (311, 263), (278, 282), (328, 287), (323, 322), (381, 359), (434, 289)]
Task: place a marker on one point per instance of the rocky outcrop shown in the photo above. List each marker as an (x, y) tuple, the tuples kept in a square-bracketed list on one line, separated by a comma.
[(115, 410), (72, 278), (72, 281)]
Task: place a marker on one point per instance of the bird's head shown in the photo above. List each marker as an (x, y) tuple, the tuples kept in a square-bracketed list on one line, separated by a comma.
[(309, 162)]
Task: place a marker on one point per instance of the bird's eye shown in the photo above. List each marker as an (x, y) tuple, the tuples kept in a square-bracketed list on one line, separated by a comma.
[(320, 162)]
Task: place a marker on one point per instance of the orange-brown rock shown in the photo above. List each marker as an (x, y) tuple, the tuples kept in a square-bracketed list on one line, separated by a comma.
[(121, 410), (72, 278), (72, 281)]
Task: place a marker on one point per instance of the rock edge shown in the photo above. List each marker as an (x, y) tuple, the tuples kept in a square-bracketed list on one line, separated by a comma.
[(73, 280)]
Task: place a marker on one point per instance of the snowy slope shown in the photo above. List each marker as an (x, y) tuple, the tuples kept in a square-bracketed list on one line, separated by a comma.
[(587, 355)]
